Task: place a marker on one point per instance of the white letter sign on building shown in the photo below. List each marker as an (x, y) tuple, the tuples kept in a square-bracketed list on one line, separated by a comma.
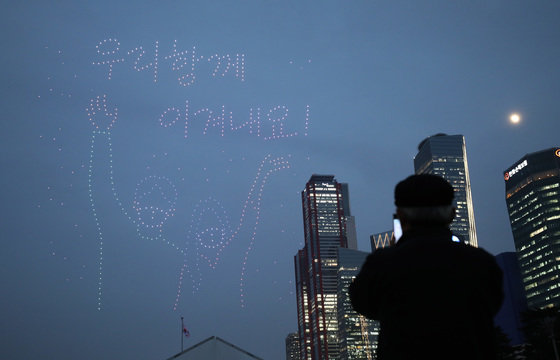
[(515, 170)]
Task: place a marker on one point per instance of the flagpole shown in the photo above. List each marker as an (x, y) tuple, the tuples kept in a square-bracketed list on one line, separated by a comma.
[(182, 327)]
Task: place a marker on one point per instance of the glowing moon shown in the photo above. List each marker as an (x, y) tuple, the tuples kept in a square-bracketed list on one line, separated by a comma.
[(515, 118)]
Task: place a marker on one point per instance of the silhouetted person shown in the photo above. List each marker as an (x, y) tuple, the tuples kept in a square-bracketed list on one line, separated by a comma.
[(434, 298)]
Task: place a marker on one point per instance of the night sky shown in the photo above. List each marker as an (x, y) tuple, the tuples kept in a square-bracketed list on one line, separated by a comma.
[(153, 152)]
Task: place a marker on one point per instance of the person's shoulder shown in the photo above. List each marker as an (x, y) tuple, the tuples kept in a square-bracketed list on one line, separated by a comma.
[(384, 252), (380, 255), (476, 252)]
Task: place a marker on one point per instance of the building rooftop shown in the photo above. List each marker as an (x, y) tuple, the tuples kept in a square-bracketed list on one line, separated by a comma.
[(214, 348)]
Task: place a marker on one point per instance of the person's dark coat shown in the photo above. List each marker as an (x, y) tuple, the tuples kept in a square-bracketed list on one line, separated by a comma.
[(434, 298)]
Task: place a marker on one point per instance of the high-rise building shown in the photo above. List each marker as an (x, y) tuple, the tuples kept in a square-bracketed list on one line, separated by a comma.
[(292, 347), (446, 156), (325, 210), (509, 316), (351, 235), (357, 334), (533, 202)]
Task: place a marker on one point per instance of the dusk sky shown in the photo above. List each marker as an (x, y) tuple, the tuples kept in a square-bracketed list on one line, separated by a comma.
[(153, 152)]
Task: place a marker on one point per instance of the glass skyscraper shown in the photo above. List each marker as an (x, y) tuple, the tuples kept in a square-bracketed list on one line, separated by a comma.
[(533, 202), (446, 156), (326, 208), (357, 334)]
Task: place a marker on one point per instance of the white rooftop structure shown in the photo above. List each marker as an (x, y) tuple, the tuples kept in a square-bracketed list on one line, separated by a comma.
[(214, 348)]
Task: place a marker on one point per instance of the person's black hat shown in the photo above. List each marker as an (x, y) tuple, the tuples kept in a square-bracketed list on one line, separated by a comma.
[(423, 190)]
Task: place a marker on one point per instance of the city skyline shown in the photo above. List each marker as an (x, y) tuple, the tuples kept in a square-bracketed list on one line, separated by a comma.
[(154, 154)]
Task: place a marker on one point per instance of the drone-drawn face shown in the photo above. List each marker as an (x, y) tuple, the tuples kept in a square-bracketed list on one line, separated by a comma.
[(154, 202), (209, 241)]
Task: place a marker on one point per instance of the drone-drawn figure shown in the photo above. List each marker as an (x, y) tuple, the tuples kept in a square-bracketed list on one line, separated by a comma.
[(208, 243), (154, 203)]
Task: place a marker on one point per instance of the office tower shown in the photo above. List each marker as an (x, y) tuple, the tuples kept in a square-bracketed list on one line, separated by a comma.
[(292, 347), (509, 316), (325, 209), (446, 156), (533, 202), (357, 335), (381, 240), (351, 235)]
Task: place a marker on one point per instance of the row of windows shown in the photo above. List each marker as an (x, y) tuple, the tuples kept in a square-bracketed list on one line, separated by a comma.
[(542, 287), (530, 219), (553, 186), (550, 193), (545, 198), (534, 272), (538, 276), (523, 254), (314, 196), (524, 214), (523, 201), (449, 159), (538, 231)]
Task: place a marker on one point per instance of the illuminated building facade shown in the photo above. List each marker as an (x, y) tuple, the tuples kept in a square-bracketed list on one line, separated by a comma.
[(533, 202), (326, 207), (446, 156), (292, 347), (357, 335)]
